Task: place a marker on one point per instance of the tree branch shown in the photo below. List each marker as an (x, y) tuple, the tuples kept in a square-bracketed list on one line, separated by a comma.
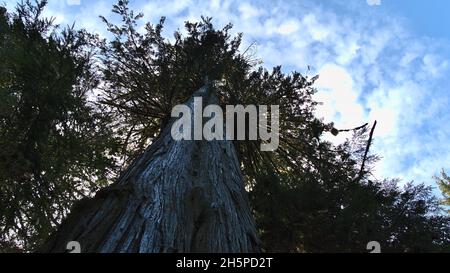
[(369, 142), (354, 129)]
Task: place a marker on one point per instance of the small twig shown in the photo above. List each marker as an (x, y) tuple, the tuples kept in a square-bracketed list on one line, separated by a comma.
[(248, 48), (354, 129)]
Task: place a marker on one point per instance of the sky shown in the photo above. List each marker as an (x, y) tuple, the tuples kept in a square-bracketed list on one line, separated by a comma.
[(384, 60)]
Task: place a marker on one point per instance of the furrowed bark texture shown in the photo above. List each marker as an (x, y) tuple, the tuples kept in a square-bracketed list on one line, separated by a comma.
[(179, 196)]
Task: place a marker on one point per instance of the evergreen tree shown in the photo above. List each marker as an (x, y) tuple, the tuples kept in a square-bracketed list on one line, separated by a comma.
[(55, 145)]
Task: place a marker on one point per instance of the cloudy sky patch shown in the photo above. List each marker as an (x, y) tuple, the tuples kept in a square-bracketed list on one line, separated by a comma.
[(374, 2)]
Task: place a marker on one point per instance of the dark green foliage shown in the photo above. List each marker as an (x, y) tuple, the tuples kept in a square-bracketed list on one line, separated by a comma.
[(301, 216), (55, 146), (145, 75), (331, 211)]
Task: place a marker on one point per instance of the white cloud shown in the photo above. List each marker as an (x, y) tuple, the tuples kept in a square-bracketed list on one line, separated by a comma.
[(336, 90), (434, 65), (73, 2), (247, 11), (374, 2), (288, 27)]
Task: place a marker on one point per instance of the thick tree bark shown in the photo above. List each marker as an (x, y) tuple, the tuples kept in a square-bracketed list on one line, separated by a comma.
[(178, 196)]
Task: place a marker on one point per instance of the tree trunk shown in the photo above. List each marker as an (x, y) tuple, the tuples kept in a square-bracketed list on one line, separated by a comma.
[(178, 196)]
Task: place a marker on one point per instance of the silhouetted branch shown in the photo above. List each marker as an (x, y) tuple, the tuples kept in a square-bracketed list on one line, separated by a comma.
[(369, 142), (354, 129)]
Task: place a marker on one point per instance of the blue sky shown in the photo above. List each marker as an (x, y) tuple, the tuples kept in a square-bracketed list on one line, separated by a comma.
[(384, 60), (428, 17)]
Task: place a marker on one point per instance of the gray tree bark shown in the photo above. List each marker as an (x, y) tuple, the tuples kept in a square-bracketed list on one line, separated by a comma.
[(178, 196)]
